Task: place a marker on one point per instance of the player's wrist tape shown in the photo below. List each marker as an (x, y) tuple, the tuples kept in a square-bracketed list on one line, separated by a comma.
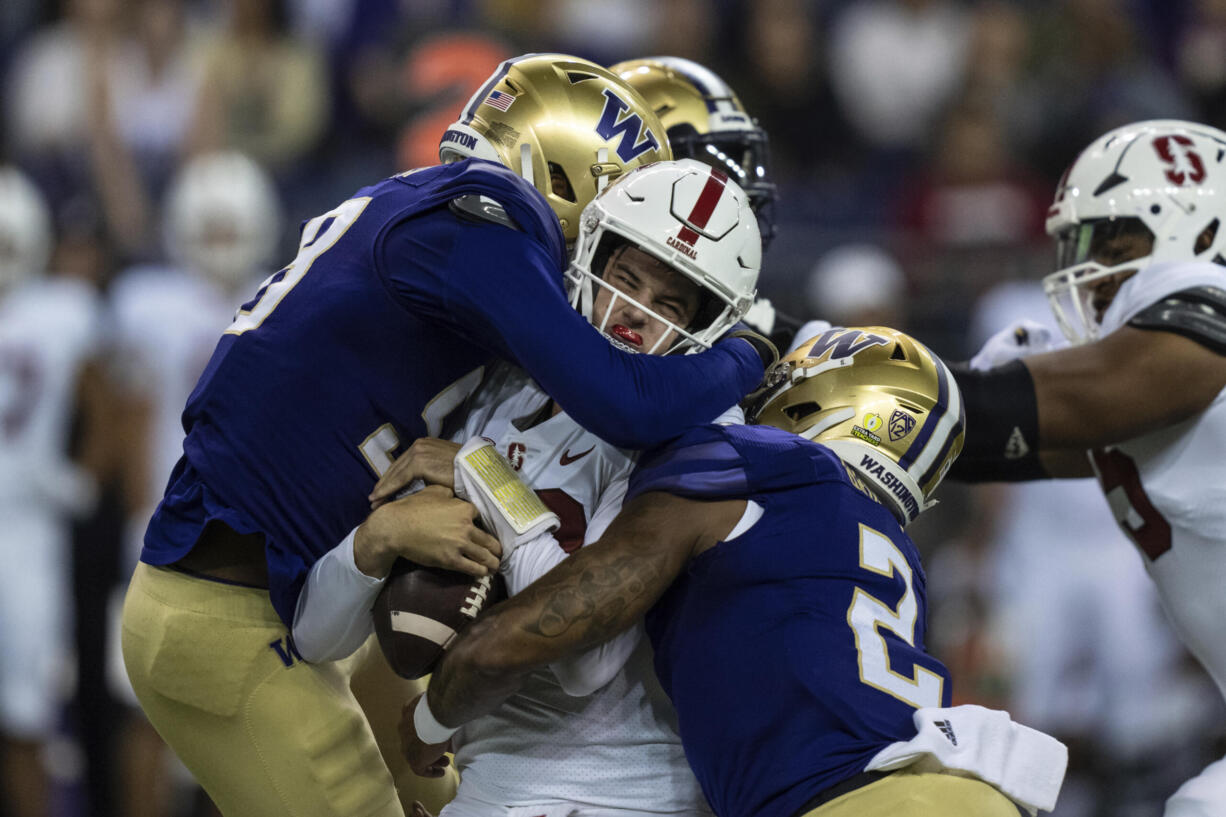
[(509, 508), (428, 728), (1002, 425)]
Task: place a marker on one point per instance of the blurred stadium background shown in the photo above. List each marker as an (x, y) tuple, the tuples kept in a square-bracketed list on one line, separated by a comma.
[(915, 144)]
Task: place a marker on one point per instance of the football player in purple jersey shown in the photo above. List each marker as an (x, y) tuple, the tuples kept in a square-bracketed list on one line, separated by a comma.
[(372, 335)]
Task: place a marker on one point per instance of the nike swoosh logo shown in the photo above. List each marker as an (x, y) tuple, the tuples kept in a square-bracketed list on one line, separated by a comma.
[(567, 459)]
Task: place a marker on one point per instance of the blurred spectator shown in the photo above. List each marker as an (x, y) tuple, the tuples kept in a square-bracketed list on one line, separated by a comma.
[(603, 31), (1201, 55), (96, 108), (997, 51), (47, 89), (437, 77), (265, 91), (782, 80), (1091, 71), (973, 191), (687, 28), (894, 65), (154, 89), (858, 285), (50, 328)]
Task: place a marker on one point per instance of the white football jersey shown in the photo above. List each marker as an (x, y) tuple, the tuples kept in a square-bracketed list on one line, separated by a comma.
[(1057, 555), (1167, 488), (616, 748), (48, 327), (167, 323)]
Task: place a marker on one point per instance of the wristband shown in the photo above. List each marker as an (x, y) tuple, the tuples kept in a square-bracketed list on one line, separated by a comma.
[(1002, 425), (429, 730)]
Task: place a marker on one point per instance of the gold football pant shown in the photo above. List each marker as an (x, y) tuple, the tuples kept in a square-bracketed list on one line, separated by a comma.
[(911, 794), (265, 733)]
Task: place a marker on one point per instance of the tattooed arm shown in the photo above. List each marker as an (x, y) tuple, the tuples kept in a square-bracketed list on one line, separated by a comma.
[(590, 597)]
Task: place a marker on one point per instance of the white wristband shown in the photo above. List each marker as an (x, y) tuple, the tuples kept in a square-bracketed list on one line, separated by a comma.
[(429, 730)]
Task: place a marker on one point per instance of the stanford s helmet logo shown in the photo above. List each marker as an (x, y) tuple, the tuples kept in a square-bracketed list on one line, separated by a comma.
[(614, 122), (1185, 163)]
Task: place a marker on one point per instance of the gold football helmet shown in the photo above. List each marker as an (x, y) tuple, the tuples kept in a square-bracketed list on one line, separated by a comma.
[(886, 405), (565, 124), (705, 120)]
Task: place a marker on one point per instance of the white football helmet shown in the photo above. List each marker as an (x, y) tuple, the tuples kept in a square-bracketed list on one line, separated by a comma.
[(1161, 178), (25, 229), (223, 218), (567, 125), (690, 216)]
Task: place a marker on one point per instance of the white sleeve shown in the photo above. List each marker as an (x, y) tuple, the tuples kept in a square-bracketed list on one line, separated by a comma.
[(583, 673), (333, 617)]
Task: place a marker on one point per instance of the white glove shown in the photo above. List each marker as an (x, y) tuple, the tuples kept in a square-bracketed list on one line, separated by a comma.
[(509, 508), (1026, 765), (1020, 339)]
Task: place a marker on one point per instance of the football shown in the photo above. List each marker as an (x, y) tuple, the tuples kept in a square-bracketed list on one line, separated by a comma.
[(421, 610)]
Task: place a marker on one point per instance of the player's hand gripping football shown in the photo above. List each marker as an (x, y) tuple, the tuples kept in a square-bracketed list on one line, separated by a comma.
[(425, 759), (431, 528), (428, 458)]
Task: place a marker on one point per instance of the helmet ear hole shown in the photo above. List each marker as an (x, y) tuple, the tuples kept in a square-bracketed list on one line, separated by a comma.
[(800, 411), (898, 353), (560, 183), (1205, 240)]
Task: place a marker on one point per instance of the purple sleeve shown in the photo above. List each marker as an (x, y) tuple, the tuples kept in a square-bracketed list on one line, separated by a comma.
[(502, 288)]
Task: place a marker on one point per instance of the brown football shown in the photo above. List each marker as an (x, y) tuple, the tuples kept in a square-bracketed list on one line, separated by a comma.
[(421, 610)]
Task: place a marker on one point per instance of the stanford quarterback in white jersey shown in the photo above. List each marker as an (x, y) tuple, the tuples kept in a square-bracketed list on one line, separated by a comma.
[(595, 734), (1138, 219)]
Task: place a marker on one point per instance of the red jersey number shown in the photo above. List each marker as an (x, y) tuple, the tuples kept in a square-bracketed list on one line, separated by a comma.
[(1121, 482)]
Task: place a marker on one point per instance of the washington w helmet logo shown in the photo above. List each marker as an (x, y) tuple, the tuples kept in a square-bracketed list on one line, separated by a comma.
[(635, 139)]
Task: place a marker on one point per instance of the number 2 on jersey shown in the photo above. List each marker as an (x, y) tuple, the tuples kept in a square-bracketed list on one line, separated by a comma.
[(318, 235), (866, 614)]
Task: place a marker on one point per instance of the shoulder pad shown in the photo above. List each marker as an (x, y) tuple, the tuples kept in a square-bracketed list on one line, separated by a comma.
[(1198, 313), (480, 208)]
